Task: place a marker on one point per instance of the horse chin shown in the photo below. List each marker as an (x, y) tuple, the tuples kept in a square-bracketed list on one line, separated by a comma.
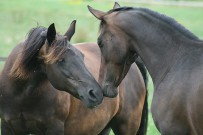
[(110, 91), (91, 106)]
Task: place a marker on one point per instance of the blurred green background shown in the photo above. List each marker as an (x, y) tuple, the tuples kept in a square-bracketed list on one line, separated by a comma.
[(17, 17)]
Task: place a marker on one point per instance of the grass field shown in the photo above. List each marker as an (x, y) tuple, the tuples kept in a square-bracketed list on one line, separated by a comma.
[(18, 16)]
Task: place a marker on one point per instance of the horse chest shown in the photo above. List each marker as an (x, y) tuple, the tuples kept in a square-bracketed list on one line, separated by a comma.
[(22, 125), (176, 102), (91, 121), (24, 116)]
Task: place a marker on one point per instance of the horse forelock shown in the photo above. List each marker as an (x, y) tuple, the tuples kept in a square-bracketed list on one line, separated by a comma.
[(114, 10), (29, 58), (26, 60), (56, 50)]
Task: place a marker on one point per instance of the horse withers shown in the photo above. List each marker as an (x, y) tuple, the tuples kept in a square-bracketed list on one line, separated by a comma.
[(29, 104), (172, 55)]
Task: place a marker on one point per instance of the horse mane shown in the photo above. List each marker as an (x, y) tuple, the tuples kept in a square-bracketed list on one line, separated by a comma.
[(30, 58), (172, 22), (26, 60)]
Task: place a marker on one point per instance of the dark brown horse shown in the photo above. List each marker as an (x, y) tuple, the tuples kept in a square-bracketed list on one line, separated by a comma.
[(25, 83), (173, 56), (29, 104), (52, 51)]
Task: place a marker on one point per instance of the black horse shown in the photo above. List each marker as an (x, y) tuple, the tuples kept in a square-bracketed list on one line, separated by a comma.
[(27, 99)]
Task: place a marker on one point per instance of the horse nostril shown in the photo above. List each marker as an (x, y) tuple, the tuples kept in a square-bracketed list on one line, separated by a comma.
[(92, 95)]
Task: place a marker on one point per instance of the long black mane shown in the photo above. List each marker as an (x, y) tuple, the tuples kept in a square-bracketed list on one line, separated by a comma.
[(27, 60), (35, 40), (161, 17)]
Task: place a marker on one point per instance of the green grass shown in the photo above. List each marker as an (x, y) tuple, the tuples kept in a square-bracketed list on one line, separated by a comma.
[(18, 16)]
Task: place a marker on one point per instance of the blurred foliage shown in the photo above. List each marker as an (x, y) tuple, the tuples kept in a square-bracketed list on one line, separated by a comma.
[(184, 0), (17, 17)]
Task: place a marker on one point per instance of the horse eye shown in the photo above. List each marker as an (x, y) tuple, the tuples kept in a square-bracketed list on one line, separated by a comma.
[(61, 60), (99, 41), (101, 45)]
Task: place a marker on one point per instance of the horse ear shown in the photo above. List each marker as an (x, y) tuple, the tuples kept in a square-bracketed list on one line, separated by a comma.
[(71, 30), (116, 5), (51, 34), (98, 14)]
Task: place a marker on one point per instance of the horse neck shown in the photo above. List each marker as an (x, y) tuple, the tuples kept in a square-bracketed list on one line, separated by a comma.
[(26, 87), (16, 86), (158, 44)]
